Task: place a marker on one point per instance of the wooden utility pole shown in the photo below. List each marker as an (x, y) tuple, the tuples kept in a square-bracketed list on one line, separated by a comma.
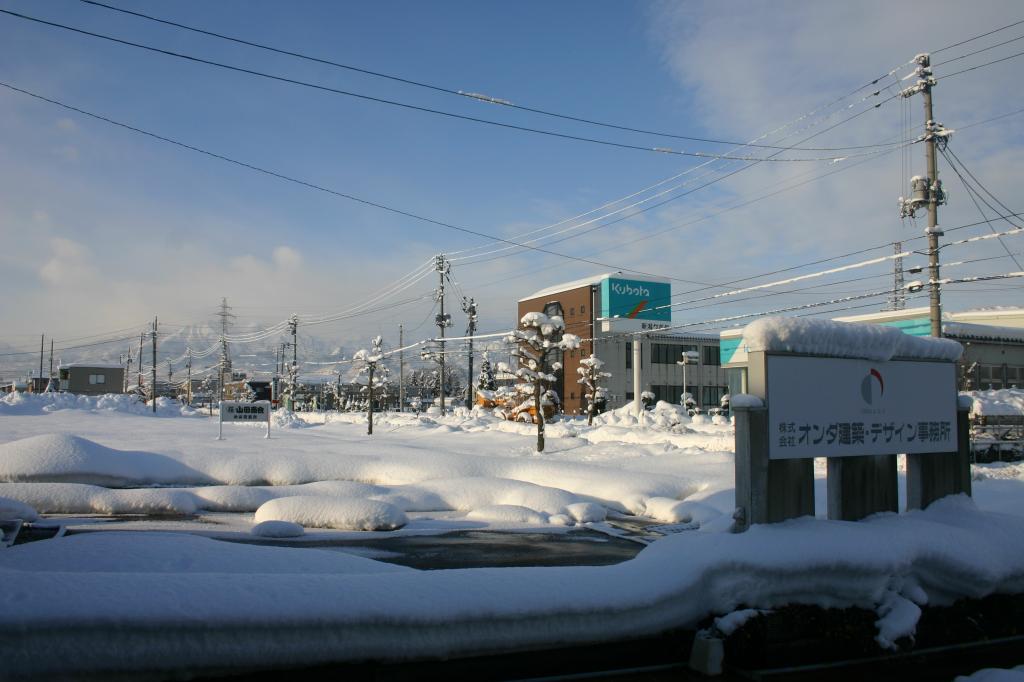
[(51, 360), (441, 266), (469, 307), (401, 369), (369, 401), (42, 344), (153, 390), (142, 338)]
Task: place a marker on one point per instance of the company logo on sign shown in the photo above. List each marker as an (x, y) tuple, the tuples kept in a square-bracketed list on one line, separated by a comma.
[(630, 290), (868, 384)]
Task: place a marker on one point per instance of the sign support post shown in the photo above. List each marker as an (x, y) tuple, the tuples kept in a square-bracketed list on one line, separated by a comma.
[(931, 476)]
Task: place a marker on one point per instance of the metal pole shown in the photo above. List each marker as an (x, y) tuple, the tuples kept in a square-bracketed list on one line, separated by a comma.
[(934, 297), (189, 378), (142, 336), (51, 359), (42, 343), (637, 405)]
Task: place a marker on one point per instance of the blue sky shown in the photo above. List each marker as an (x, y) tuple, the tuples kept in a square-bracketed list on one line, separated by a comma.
[(105, 228)]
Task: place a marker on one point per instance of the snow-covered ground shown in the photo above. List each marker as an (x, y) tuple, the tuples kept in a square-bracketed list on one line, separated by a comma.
[(184, 598)]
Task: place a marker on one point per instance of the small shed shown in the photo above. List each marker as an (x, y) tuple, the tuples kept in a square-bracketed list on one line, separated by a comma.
[(91, 378)]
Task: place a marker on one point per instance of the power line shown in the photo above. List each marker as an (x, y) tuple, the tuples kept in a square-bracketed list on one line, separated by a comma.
[(981, 66), (982, 35), (343, 195), (405, 105), (463, 94)]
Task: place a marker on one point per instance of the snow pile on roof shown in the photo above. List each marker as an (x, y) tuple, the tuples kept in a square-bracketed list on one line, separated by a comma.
[(986, 332), (1007, 402), (332, 512), (13, 509), (844, 340), (18, 403), (194, 618), (566, 286)]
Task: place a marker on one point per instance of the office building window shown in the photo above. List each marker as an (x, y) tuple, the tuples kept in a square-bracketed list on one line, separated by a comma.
[(629, 355), (669, 353), (712, 356), (711, 396)]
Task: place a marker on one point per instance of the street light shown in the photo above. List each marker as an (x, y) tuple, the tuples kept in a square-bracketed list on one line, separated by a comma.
[(690, 357)]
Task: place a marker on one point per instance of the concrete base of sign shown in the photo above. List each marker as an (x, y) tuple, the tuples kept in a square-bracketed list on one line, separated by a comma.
[(767, 491), (932, 476), (861, 486)]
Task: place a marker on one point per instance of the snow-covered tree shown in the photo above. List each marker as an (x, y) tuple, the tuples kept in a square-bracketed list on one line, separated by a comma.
[(537, 334), (485, 380), (590, 374), (370, 363), (248, 392)]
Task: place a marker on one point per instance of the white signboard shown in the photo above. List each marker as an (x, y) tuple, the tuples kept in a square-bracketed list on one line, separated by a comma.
[(835, 407), (238, 411)]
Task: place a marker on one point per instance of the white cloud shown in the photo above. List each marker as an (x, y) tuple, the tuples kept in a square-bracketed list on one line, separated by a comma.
[(71, 264), (287, 258)]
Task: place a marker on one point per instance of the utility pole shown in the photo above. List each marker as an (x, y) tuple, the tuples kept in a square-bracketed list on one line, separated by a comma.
[(51, 361), (188, 378), (469, 307), (401, 369), (42, 344), (293, 323), (927, 191), (153, 391), (128, 369), (443, 321), (142, 336)]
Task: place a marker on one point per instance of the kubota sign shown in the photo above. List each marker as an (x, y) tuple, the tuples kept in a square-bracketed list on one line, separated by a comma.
[(635, 299)]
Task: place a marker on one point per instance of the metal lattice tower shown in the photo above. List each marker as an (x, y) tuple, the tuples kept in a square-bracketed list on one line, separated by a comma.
[(226, 317), (898, 300)]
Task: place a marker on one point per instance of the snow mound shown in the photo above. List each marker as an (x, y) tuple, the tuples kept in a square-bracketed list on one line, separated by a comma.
[(286, 419), (278, 529), (58, 457), (465, 494), (508, 513), (13, 509), (586, 512), (330, 512), (1008, 402), (844, 340), (78, 498), (16, 403)]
